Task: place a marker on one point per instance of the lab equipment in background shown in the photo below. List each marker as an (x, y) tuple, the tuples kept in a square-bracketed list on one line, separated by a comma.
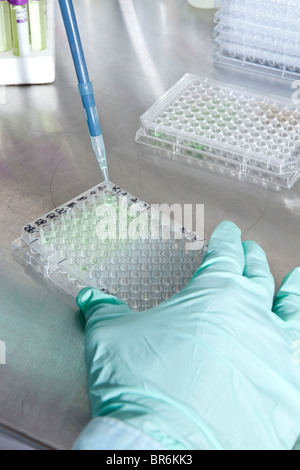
[(142, 264), (38, 31), (20, 27), (84, 84), (205, 4), (5, 30), (259, 36), (221, 125), (37, 67)]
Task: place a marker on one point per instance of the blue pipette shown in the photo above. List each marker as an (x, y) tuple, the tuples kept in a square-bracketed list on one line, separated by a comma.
[(84, 84)]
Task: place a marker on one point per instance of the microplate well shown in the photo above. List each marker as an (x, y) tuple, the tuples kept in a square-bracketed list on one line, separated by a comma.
[(108, 240), (227, 126)]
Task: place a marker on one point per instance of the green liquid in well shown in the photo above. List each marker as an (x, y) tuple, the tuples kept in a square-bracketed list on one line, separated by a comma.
[(38, 29), (5, 28)]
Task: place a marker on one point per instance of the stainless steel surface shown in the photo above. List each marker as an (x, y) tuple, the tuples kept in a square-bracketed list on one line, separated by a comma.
[(135, 50)]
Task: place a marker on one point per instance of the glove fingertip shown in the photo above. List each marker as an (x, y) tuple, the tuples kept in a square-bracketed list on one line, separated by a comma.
[(253, 249), (84, 297), (226, 228)]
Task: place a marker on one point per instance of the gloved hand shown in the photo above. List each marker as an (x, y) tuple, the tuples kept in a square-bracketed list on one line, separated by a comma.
[(212, 367)]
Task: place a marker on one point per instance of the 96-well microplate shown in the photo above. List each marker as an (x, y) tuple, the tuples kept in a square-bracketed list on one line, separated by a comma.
[(259, 36), (229, 127), (104, 239)]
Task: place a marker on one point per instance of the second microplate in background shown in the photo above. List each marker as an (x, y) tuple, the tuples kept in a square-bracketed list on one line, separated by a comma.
[(261, 36), (238, 130)]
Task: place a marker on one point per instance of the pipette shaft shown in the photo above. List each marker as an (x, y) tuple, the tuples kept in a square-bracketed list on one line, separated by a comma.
[(84, 84)]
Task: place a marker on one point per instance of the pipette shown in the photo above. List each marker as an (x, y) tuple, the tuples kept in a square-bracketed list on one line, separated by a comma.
[(84, 85)]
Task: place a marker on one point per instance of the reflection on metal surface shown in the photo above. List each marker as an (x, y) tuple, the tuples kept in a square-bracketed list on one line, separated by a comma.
[(140, 45)]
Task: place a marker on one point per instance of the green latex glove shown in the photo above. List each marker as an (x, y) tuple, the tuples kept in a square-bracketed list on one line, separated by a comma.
[(211, 368)]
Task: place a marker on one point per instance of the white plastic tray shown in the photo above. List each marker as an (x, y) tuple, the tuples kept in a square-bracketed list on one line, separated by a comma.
[(38, 67)]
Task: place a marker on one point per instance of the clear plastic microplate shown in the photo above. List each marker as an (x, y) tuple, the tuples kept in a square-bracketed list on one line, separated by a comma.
[(259, 36), (268, 8), (280, 59), (258, 24), (265, 45), (229, 127), (112, 241), (262, 39), (259, 61)]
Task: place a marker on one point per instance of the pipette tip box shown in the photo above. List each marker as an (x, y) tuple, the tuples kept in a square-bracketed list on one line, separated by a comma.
[(75, 246), (243, 133)]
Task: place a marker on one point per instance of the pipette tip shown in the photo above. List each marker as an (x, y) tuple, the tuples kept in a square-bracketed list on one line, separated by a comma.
[(105, 174), (99, 149)]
